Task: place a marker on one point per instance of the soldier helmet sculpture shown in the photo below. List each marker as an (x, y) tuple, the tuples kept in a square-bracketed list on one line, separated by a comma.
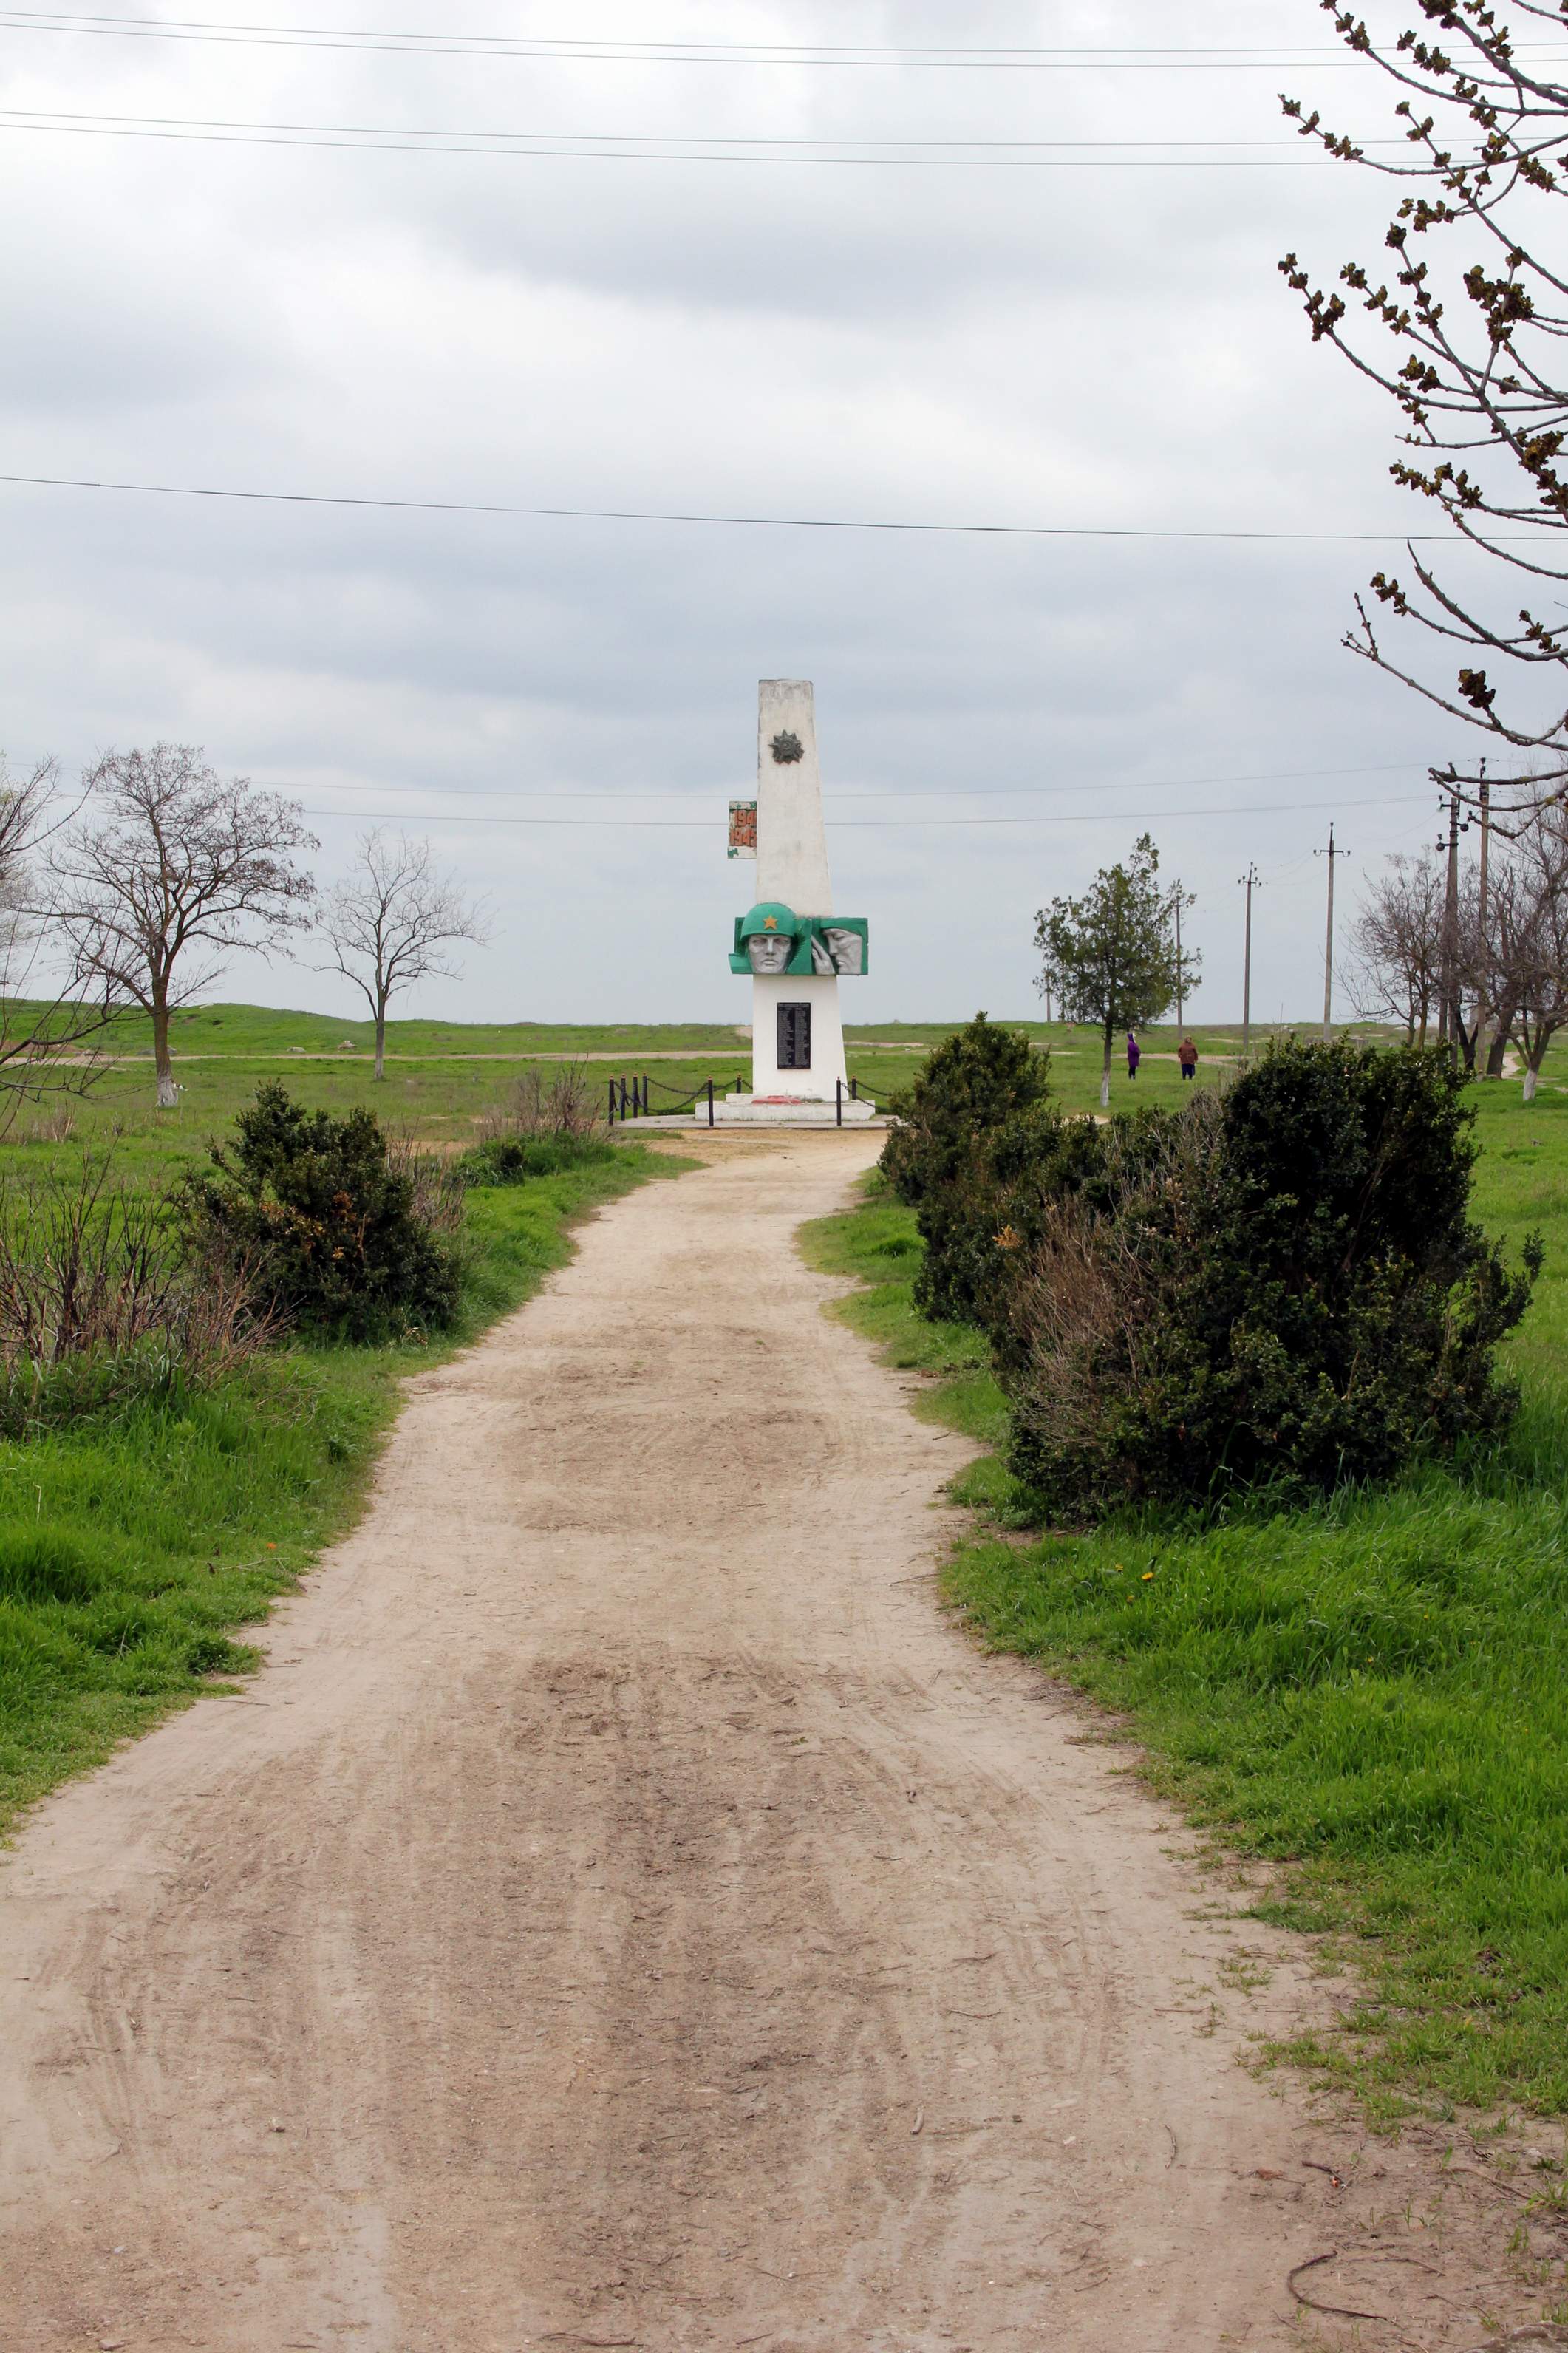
[(767, 937)]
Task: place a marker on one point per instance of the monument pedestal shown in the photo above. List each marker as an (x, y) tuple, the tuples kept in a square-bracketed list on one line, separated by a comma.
[(795, 1017), (793, 1111)]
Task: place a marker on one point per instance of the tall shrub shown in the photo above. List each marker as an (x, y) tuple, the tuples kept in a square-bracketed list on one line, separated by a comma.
[(330, 1219), (1283, 1283), (940, 1156)]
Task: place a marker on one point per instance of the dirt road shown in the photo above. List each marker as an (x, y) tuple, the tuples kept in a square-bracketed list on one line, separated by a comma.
[(627, 1912)]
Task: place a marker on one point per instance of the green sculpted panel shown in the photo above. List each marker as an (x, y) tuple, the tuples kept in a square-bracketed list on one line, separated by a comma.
[(772, 938)]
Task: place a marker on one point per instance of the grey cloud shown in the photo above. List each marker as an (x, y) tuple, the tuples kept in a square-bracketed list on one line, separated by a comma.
[(1108, 349)]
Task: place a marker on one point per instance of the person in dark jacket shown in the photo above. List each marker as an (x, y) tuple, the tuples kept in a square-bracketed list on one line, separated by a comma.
[(1188, 1055), (1134, 1055)]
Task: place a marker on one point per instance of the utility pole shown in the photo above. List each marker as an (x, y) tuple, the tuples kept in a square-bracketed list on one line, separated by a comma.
[(1181, 994), (1250, 883), (1482, 1008), (1448, 1027), (1330, 854)]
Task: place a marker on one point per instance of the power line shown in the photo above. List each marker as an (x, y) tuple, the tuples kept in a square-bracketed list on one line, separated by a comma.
[(1172, 57), (56, 118), (423, 145), (765, 522), (884, 825), (532, 43), (873, 792)]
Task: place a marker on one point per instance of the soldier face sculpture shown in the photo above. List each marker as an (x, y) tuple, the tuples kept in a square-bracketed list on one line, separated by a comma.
[(771, 938), (769, 951), (835, 950)]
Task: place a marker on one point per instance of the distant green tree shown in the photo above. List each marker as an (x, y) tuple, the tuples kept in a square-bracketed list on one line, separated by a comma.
[(1110, 957)]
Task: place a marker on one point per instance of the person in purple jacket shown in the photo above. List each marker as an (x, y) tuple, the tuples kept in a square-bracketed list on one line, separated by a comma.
[(1134, 1055)]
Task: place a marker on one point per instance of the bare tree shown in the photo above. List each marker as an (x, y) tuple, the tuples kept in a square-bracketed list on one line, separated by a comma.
[(1468, 343), (1526, 947), (1397, 941), (392, 921), (46, 1036), (172, 860)]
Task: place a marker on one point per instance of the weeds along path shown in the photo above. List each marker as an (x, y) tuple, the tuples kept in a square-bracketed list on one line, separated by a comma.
[(626, 1912)]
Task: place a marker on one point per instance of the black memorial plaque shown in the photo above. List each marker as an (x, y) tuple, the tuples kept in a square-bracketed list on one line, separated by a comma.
[(795, 1038)]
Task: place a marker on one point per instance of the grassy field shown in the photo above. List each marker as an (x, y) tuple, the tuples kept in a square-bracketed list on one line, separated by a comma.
[(1373, 1695), (443, 1077), (133, 1544), (262, 1029)]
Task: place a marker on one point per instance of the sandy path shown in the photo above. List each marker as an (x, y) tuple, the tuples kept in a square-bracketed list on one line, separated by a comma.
[(626, 1912)]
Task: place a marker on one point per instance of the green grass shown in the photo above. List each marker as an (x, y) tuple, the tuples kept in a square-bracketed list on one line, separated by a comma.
[(1373, 1695), (133, 1544), (435, 1097), (252, 1030), (444, 1078)]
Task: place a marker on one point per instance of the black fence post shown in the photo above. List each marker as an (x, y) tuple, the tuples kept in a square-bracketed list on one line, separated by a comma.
[(855, 1089), (710, 1102), (612, 1103), (838, 1102)]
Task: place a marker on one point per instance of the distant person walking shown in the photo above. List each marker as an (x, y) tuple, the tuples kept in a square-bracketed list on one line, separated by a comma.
[(1134, 1055), (1188, 1055)]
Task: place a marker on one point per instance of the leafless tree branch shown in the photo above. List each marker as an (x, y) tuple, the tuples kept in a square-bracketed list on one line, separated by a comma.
[(173, 859), (1396, 945), (48, 1037), (1466, 339), (394, 920)]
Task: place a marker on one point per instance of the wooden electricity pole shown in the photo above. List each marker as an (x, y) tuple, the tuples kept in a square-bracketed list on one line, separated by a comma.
[(1448, 1024), (1330, 854), (1483, 1010), (1249, 882), (1181, 994)]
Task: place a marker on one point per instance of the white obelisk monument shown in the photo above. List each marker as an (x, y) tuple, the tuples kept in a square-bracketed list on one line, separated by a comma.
[(791, 941)]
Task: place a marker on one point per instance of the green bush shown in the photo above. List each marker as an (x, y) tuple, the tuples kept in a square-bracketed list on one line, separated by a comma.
[(1280, 1285), (338, 1229), (941, 1158), (513, 1159)]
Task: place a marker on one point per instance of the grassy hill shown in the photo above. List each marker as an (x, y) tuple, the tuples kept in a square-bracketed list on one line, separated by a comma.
[(261, 1029)]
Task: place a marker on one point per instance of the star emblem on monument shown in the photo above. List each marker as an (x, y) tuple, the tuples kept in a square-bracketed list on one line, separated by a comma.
[(788, 747)]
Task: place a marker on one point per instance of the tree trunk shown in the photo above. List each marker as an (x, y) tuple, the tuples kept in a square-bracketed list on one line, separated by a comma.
[(1530, 1077), (168, 1092), (1497, 1050), (1105, 1071), (381, 1039)]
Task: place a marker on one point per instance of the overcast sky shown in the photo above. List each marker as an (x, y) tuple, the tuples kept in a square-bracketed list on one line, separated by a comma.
[(908, 342)]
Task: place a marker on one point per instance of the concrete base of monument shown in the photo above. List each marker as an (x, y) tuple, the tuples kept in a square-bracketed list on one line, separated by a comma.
[(793, 1111)]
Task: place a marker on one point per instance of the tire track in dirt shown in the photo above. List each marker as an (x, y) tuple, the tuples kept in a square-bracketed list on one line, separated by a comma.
[(625, 1912)]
